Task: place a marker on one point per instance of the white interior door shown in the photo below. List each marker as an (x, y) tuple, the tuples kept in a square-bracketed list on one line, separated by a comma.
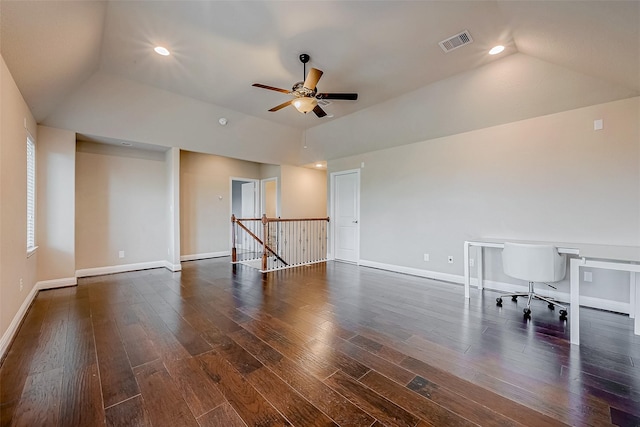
[(346, 201)]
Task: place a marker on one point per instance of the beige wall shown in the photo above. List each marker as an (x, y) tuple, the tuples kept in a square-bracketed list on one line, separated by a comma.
[(56, 203), (303, 192), (548, 178), (14, 264), (205, 219), (160, 117), (268, 172), (121, 205), (270, 198)]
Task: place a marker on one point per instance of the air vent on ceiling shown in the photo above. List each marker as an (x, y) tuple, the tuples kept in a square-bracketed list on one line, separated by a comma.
[(456, 41), (323, 102)]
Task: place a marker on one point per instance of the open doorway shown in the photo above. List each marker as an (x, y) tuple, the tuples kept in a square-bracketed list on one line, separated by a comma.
[(245, 197), (245, 204)]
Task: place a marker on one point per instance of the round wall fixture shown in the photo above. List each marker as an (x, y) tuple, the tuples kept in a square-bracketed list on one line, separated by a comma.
[(222, 121)]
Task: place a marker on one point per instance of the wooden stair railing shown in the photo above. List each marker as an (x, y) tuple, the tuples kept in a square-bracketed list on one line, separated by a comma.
[(302, 240)]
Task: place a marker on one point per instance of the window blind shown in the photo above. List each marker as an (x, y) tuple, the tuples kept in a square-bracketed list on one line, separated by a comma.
[(31, 193)]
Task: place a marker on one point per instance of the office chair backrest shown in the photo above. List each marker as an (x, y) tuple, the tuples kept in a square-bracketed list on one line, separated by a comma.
[(533, 263)]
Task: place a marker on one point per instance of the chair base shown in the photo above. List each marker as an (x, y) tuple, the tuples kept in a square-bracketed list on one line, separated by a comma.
[(531, 295)]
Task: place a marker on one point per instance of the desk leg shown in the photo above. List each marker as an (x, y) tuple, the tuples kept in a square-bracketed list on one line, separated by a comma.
[(636, 308), (574, 326), (479, 254), (467, 278), (632, 294)]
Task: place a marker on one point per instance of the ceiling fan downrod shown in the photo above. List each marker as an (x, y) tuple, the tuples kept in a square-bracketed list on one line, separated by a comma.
[(304, 58)]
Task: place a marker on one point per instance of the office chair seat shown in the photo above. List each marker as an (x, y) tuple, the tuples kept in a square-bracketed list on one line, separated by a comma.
[(534, 263)]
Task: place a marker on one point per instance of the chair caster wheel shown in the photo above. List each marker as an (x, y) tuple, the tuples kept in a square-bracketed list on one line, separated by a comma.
[(514, 299), (527, 312), (551, 306), (563, 314), (499, 302)]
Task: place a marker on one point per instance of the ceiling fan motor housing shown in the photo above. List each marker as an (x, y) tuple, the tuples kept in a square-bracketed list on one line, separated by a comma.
[(300, 91)]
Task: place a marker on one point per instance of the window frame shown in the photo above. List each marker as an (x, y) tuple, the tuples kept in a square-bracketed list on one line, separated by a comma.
[(31, 194)]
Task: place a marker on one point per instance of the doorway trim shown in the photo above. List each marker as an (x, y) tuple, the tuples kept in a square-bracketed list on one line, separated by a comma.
[(256, 202), (332, 213)]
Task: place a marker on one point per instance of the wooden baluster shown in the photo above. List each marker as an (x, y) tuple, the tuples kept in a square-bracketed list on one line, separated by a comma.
[(234, 257), (265, 225)]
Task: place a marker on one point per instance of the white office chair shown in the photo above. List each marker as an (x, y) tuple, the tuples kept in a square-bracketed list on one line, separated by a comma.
[(534, 263)]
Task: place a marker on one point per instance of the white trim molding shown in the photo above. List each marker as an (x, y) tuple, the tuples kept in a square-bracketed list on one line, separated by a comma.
[(195, 257), (7, 337), (98, 271), (586, 301), (172, 267), (413, 271), (56, 283)]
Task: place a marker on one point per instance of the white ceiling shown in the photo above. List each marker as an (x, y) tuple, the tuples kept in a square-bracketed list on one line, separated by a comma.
[(382, 50)]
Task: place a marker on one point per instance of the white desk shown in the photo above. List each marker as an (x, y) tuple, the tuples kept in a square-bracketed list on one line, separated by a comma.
[(624, 258)]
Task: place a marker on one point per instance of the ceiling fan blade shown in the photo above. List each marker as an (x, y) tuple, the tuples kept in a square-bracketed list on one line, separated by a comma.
[(312, 79), (281, 106), (319, 111), (339, 96), (277, 89)]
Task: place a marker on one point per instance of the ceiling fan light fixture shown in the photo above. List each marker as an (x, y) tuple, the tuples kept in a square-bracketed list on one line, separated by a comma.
[(305, 104)]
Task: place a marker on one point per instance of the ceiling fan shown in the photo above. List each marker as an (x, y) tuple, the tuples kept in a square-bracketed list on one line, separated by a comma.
[(305, 93)]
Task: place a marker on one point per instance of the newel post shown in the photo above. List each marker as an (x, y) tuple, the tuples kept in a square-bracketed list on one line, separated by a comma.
[(234, 257), (265, 224)]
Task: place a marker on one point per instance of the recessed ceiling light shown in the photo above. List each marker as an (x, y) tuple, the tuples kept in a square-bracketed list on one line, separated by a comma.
[(162, 51), (496, 50)]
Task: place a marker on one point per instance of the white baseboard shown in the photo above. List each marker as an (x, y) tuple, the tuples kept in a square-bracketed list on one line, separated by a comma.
[(586, 301), (172, 267), (413, 271), (99, 271), (8, 335), (195, 257), (56, 283)]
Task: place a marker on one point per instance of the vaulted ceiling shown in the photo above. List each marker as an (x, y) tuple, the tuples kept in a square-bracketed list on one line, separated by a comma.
[(89, 66)]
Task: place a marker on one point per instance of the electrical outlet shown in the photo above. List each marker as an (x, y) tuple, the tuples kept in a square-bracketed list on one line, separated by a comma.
[(426, 257), (21, 285), (588, 276), (472, 262), (121, 254), (450, 259)]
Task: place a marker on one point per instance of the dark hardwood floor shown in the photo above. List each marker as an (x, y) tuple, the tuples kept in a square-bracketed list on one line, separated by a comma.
[(330, 344)]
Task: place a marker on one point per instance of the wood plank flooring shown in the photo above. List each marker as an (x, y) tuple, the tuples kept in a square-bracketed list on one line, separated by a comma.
[(325, 345)]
